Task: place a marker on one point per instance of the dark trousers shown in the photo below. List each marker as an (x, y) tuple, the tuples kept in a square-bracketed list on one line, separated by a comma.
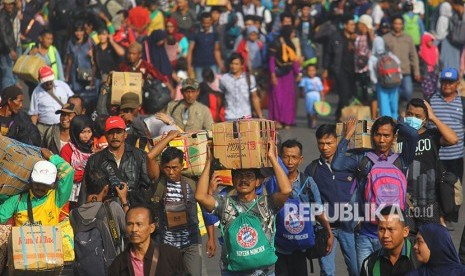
[(345, 86), (294, 264), (454, 166)]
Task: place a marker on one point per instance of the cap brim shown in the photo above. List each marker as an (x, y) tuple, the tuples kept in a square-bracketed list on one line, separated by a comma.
[(47, 79), (65, 111), (190, 86), (448, 79)]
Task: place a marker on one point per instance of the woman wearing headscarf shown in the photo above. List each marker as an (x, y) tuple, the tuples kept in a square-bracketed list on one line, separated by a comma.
[(155, 52), (388, 98), (435, 250), (78, 151), (284, 66), (450, 55), (15, 123), (176, 44), (429, 65)]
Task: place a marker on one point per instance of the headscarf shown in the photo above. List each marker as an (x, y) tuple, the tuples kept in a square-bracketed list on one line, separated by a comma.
[(285, 52), (444, 259), (446, 10), (9, 93), (176, 34), (157, 53), (78, 124), (429, 54)]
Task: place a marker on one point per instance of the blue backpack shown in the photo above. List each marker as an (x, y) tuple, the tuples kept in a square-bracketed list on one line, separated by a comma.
[(294, 231)]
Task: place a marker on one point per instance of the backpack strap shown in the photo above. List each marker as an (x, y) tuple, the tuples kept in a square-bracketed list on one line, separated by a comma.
[(312, 167), (160, 190), (111, 224), (29, 210)]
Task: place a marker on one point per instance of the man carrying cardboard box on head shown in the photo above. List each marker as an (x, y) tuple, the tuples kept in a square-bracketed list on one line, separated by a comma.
[(188, 113), (51, 185), (129, 110)]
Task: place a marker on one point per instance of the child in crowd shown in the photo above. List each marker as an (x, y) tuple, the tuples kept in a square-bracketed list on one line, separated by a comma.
[(312, 87)]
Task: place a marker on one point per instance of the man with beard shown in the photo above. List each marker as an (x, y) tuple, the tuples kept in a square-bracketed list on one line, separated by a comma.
[(57, 136), (46, 194), (124, 163)]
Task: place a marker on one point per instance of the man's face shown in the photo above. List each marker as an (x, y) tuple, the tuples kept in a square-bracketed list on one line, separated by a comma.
[(116, 138), (416, 112), (39, 190), (448, 87), (349, 27), (128, 114), (392, 232), (327, 146), (138, 225), (9, 7), (397, 26), (46, 40), (172, 170), (102, 37), (292, 158), (249, 23), (16, 105), (215, 16), (383, 138), (206, 23), (190, 95), (235, 66), (134, 56), (287, 21), (47, 86), (65, 119), (245, 181), (306, 11)]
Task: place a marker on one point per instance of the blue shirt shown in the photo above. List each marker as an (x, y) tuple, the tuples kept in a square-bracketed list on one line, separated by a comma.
[(203, 55), (311, 84)]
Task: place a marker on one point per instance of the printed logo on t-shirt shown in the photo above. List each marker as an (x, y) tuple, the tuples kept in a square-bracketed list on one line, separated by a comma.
[(247, 237)]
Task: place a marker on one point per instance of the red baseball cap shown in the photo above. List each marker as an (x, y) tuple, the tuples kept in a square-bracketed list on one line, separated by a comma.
[(46, 74), (114, 122)]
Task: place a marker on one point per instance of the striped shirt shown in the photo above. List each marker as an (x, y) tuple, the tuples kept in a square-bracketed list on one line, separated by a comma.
[(237, 95), (452, 115)]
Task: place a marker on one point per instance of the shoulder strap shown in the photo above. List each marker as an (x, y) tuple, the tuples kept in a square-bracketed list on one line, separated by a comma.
[(29, 209), (362, 167), (189, 182), (393, 158), (55, 97), (175, 107), (313, 167), (463, 108), (153, 266), (111, 224), (160, 190)]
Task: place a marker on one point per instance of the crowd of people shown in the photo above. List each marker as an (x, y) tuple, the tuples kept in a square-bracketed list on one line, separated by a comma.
[(132, 210)]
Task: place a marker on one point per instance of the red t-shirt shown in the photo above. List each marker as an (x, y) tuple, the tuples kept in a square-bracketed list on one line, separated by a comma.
[(146, 69)]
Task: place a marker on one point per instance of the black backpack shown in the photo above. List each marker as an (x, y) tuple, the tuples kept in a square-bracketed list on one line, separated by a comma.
[(456, 34), (155, 96), (94, 247), (61, 12)]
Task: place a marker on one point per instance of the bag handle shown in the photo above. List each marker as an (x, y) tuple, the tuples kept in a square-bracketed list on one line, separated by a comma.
[(55, 98), (153, 266), (248, 209)]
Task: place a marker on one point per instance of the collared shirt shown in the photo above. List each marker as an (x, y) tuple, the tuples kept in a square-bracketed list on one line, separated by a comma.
[(237, 95), (137, 265), (379, 260), (190, 118), (45, 106), (450, 113)]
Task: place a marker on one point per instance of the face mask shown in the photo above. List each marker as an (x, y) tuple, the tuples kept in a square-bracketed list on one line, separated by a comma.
[(413, 122)]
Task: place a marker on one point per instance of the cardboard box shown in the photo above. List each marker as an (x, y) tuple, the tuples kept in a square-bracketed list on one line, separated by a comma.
[(243, 144), (124, 82), (359, 112), (35, 248), (194, 146), (27, 68), (16, 163), (361, 140)]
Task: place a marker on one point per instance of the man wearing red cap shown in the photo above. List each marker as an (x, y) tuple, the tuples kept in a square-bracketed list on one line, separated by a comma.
[(48, 97), (124, 163)]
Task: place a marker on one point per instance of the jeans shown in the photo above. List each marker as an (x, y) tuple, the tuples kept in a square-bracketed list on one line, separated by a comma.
[(192, 256), (347, 243), (364, 246), (198, 71), (406, 88), (388, 101), (6, 66)]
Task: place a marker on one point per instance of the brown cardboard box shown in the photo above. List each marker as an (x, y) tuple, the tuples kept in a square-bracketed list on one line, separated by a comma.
[(35, 248), (243, 144), (361, 140), (16, 163), (123, 82), (27, 68), (359, 112), (194, 146)]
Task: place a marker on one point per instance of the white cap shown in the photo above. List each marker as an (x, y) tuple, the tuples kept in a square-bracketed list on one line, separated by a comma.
[(44, 172), (367, 21)]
